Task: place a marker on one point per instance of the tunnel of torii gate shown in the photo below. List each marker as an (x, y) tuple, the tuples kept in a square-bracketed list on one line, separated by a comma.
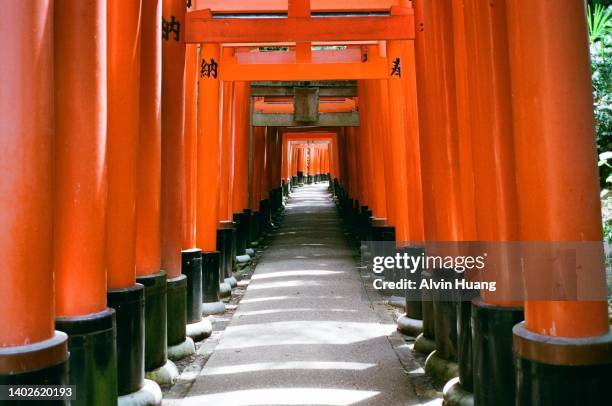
[(148, 146)]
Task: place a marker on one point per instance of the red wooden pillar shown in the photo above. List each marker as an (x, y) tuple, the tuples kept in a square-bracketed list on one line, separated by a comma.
[(484, 117), (259, 134), (301, 162), (26, 121), (148, 200), (79, 255), (424, 343), (212, 238), (240, 188), (209, 153), (370, 123), (227, 148), (124, 294), (563, 349), (241, 110), (173, 168), (190, 149), (378, 91), (395, 141), (352, 163), (440, 157), (294, 161), (148, 204)]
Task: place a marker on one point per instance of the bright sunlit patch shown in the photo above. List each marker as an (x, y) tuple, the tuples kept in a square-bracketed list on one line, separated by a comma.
[(269, 366), (285, 284), (294, 273), (265, 299), (284, 396), (276, 298), (301, 333), (417, 371), (294, 310)]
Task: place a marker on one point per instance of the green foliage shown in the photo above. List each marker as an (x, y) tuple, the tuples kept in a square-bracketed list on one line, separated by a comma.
[(600, 36), (599, 22)]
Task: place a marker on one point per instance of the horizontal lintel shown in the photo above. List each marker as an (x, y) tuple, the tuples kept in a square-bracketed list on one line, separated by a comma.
[(202, 28), (325, 119)]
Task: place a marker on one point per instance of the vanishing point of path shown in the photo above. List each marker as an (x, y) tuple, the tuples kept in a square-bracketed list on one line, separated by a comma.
[(305, 332)]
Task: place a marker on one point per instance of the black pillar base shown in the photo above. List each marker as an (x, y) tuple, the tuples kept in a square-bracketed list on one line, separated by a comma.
[(43, 363), (155, 319), (191, 267), (224, 246), (248, 227), (464, 345), (210, 277), (227, 250), (93, 356), (241, 237), (129, 307), (177, 310), (265, 218), (414, 304), (492, 352), (255, 226), (427, 308), (445, 317), (561, 371)]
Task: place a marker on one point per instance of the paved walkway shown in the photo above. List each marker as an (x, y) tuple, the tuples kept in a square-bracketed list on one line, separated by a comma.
[(305, 332)]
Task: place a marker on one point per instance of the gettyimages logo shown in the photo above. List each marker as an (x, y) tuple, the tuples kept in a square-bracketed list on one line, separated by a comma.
[(412, 263)]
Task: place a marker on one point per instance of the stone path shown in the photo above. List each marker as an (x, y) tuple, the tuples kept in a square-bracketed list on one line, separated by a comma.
[(305, 331)]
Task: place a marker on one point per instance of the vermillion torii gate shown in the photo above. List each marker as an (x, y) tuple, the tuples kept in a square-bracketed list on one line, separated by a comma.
[(497, 147)]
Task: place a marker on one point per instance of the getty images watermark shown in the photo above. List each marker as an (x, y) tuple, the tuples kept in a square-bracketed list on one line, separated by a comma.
[(409, 263), (499, 270)]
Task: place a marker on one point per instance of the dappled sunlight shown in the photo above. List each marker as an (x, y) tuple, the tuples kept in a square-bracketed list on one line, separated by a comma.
[(285, 284), (309, 272), (294, 310), (302, 333), (284, 396), (294, 365), (276, 298)]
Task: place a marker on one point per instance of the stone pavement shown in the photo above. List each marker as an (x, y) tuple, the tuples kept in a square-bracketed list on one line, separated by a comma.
[(305, 332)]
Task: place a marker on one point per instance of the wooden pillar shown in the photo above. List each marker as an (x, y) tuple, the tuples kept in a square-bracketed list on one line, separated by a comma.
[(26, 186), (371, 130), (124, 294), (79, 254), (440, 157), (173, 187), (190, 146), (395, 141), (209, 152), (227, 148), (258, 166), (563, 347), (173, 138), (123, 136), (241, 110)]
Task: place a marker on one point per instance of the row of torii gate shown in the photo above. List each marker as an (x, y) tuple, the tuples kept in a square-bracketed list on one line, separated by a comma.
[(135, 131)]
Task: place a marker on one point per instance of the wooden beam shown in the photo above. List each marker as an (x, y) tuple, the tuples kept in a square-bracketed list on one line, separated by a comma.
[(272, 91), (298, 8), (281, 6), (202, 28), (304, 71), (286, 120), (323, 56)]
